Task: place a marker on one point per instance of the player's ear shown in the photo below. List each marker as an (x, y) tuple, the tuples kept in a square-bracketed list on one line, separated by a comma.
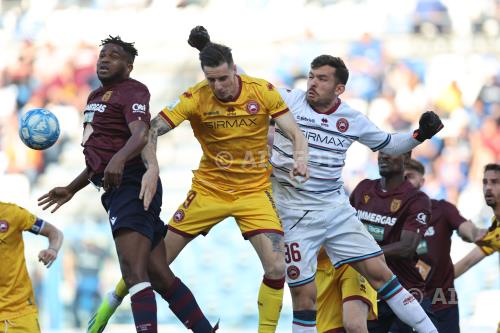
[(130, 67), (235, 69), (339, 89)]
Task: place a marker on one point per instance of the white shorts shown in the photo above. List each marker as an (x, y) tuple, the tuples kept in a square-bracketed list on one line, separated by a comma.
[(338, 230)]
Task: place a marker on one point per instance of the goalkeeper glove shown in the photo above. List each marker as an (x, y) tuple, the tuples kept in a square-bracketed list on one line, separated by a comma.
[(429, 125)]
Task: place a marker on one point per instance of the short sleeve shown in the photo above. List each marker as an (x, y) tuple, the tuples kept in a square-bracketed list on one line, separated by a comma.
[(452, 214), (419, 214), (487, 250), (370, 135), (180, 110), (273, 101), (137, 104), (491, 238), (24, 220)]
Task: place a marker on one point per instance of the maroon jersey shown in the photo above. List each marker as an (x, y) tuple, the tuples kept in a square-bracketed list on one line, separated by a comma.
[(108, 112), (387, 214), (434, 252)]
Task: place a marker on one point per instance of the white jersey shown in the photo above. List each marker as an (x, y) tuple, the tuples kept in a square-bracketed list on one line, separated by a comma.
[(329, 136)]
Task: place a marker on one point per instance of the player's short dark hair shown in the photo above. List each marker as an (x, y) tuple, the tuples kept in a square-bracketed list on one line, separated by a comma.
[(492, 167), (341, 71), (415, 165), (129, 48), (213, 55)]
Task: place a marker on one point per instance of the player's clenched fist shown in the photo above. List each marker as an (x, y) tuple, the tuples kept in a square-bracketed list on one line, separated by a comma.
[(47, 256), (429, 125), (300, 171)]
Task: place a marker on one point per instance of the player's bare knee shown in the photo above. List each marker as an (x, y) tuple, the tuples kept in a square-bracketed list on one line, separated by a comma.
[(161, 280), (304, 297), (275, 269), (375, 270), (133, 278), (132, 274)]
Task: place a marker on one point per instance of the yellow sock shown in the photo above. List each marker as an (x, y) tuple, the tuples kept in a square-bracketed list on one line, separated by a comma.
[(270, 301), (121, 289)]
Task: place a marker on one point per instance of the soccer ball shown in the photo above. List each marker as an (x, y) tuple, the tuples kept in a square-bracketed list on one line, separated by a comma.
[(39, 129)]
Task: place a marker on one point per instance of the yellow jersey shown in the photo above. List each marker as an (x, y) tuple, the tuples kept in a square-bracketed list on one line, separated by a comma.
[(324, 263), (490, 243), (16, 292), (232, 135)]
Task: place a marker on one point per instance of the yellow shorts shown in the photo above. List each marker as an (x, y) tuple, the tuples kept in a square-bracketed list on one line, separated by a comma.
[(336, 286), (27, 323), (254, 212)]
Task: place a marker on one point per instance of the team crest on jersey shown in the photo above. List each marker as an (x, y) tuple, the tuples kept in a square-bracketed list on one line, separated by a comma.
[(342, 125), (4, 226), (253, 107), (270, 86), (187, 94), (395, 205), (293, 272), (107, 95), (179, 215), (366, 198)]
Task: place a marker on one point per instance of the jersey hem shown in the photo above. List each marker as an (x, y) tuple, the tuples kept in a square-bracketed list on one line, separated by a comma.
[(19, 314), (249, 234)]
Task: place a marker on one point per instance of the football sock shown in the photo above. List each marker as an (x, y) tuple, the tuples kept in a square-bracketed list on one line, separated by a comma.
[(405, 306), (121, 289), (144, 308), (183, 304), (304, 321), (270, 301), (113, 300)]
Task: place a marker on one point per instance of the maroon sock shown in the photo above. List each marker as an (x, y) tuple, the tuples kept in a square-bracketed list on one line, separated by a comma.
[(144, 311), (184, 306)]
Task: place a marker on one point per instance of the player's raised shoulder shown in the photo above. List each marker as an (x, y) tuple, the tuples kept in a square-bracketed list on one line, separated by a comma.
[(365, 184), (256, 81), (135, 85), (8, 205), (196, 89)]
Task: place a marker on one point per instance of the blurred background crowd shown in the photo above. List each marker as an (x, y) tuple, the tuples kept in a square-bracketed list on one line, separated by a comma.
[(404, 57)]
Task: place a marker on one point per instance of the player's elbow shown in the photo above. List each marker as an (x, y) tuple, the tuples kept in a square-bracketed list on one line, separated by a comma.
[(143, 138), (56, 236)]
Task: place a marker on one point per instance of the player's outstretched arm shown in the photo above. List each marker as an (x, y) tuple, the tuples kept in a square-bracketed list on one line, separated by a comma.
[(472, 258), (150, 177), (60, 195), (287, 124), (428, 125), (470, 233), (55, 237), (400, 143), (405, 247)]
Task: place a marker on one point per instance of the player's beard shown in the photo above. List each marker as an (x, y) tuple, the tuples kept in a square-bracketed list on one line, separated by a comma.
[(319, 104), (491, 203)]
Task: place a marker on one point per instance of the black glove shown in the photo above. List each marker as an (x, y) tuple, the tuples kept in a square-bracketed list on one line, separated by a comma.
[(428, 125), (198, 37)]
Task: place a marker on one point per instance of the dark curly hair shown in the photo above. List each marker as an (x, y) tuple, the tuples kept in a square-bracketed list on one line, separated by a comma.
[(129, 48)]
